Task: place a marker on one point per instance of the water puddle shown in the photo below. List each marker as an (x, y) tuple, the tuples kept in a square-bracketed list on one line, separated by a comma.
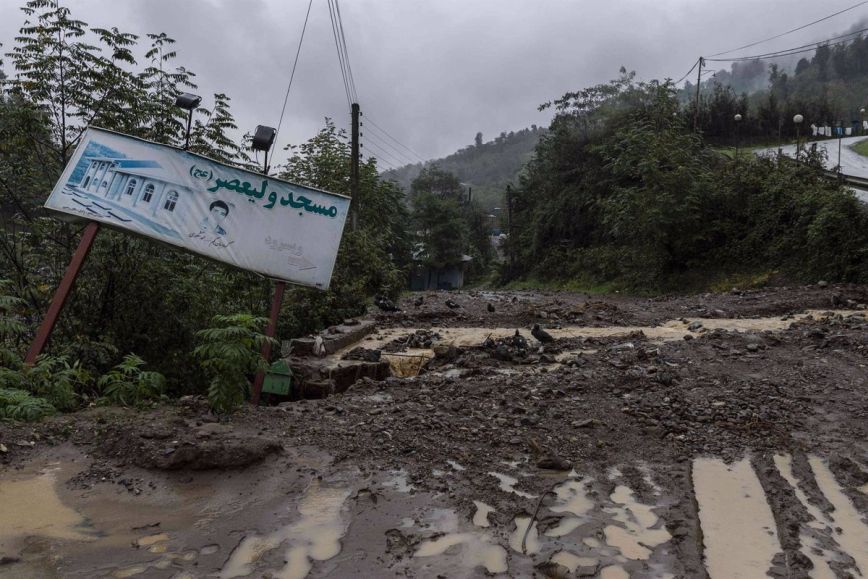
[(480, 517), (316, 536), (572, 561), (507, 484), (398, 482), (853, 534), (523, 541), (810, 546), (409, 363), (32, 507), (642, 530), (571, 498), (455, 465), (564, 527), (471, 549), (739, 534), (613, 572)]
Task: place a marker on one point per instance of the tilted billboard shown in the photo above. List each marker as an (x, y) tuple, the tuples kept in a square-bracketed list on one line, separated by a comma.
[(262, 224)]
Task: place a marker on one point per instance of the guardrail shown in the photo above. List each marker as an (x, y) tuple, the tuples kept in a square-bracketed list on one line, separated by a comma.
[(860, 183)]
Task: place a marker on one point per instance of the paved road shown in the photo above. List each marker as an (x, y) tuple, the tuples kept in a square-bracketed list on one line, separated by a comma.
[(852, 163)]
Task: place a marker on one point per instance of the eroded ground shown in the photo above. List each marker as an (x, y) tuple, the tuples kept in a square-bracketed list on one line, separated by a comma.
[(720, 435)]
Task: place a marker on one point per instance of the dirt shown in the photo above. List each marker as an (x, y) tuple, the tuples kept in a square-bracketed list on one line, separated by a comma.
[(651, 429)]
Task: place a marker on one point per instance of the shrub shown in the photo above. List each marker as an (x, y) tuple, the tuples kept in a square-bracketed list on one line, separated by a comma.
[(128, 385)]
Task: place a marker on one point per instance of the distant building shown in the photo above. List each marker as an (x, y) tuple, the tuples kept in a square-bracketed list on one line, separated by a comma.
[(133, 183), (424, 277)]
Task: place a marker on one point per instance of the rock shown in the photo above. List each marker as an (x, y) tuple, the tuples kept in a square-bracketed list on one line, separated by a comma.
[(553, 570), (822, 283), (688, 337), (584, 423), (552, 462), (694, 326), (587, 570), (3, 448), (752, 347)]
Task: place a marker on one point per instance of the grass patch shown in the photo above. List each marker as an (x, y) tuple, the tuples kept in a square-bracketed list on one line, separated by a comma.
[(861, 147)]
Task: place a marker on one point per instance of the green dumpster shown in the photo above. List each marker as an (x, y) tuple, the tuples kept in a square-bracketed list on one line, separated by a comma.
[(278, 379)]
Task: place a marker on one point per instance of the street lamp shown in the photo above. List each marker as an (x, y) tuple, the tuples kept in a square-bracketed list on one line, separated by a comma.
[(797, 119), (188, 102), (263, 138), (737, 119)]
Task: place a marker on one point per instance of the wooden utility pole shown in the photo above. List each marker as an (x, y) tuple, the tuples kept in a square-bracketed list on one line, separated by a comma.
[(698, 82), (354, 166)]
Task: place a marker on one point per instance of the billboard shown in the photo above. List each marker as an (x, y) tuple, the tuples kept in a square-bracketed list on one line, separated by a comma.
[(262, 224)]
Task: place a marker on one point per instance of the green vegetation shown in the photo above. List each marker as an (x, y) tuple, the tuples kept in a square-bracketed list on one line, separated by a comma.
[(229, 351), (622, 192), (861, 147), (134, 295), (484, 167)]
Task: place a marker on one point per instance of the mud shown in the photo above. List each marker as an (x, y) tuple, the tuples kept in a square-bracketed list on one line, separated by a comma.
[(436, 471)]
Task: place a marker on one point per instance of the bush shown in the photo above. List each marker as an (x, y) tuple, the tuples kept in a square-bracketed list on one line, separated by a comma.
[(230, 353), (128, 385)]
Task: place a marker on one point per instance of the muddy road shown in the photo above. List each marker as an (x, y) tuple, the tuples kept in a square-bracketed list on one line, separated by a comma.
[(720, 435)]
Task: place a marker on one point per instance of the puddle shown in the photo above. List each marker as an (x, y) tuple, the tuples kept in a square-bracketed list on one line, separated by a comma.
[(480, 517), (739, 533), (853, 535), (409, 363), (32, 507), (642, 530), (472, 550), (507, 484), (572, 561), (614, 572), (571, 498), (455, 465), (398, 482), (517, 541), (314, 537), (564, 527), (810, 546), (475, 552)]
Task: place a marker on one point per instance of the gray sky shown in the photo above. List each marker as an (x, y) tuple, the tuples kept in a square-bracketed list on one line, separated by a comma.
[(434, 72)]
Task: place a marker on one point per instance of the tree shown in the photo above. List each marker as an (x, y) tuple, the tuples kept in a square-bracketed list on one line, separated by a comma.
[(442, 233), (478, 139), (436, 181)]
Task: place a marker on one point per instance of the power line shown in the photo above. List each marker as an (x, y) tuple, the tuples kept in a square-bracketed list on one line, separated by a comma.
[(333, 18), (352, 81), (384, 154), (797, 49), (382, 157), (793, 30), (386, 133), (686, 74), (399, 155), (292, 74)]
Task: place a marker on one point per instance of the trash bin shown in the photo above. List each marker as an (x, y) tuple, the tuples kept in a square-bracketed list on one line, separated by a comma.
[(278, 379)]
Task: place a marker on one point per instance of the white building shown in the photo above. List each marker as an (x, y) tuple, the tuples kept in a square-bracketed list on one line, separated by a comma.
[(136, 184)]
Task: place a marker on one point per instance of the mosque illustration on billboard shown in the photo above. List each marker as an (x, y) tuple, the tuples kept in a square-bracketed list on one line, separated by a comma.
[(128, 190)]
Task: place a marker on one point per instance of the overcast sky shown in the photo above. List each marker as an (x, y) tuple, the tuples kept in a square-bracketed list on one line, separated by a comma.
[(434, 72)]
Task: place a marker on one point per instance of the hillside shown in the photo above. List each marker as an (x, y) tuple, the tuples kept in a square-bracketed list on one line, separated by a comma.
[(486, 167)]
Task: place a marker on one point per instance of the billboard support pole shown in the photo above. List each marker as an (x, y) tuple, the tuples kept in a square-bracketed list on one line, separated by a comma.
[(270, 331), (62, 292)]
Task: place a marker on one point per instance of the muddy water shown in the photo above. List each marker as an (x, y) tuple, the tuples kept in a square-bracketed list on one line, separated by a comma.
[(640, 530), (31, 506), (316, 536), (466, 549), (523, 541), (671, 330), (480, 517), (739, 533), (507, 484), (853, 533)]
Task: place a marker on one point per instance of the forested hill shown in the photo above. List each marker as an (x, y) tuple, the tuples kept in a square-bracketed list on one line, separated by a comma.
[(486, 167)]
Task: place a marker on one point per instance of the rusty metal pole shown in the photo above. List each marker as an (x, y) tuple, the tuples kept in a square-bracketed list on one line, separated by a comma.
[(270, 331), (62, 292)]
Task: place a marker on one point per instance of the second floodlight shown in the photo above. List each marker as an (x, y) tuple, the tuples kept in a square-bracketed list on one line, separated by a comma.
[(187, 101), (263, 138)]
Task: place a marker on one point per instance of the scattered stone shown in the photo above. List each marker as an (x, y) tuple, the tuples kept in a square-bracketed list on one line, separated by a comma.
[(552, 462)]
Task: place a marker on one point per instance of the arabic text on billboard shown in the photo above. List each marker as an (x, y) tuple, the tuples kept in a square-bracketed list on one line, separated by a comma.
[(259, 223)]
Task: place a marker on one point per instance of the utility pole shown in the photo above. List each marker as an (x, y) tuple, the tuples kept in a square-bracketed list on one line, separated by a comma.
[(354, 167), (509, 227), (698, 82)]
